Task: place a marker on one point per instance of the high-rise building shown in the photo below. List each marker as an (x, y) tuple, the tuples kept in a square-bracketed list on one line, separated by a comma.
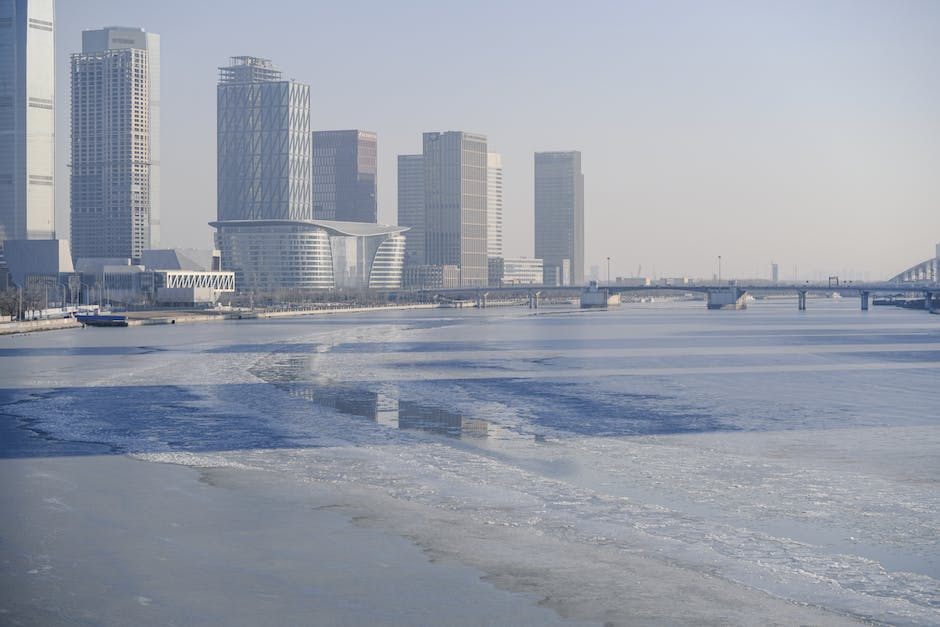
[(559, 216), (115, 143), (27, 120), (455, 203), (494, 205), (266, 229), (411, 206), (264, 144), (344, 169)]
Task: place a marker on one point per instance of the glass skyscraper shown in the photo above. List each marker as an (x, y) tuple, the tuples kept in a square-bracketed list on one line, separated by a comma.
[(455, 203), (27, 120), (559, 216), (344, 169), (411, 206), (264, 143), (115, 143), (266, 229)]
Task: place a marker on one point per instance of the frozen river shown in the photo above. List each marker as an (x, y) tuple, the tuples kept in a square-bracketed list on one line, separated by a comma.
[(657, 463)]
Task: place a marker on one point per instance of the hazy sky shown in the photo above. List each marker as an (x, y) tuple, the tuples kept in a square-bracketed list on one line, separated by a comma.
[(807, 133)]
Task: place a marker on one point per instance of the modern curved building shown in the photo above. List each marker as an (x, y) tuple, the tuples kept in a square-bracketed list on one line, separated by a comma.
[(268, 255)]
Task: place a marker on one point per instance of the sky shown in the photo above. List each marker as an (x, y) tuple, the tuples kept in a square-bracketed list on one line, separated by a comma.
[(805, 133)]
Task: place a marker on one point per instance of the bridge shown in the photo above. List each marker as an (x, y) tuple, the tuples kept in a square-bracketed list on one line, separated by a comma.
[(717, 296)]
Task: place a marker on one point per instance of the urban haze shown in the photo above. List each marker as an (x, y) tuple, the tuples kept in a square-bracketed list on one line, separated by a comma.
[(801, 133), (495, 314)]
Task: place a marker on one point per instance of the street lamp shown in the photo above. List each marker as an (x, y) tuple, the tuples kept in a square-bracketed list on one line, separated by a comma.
[(719, 269), (608, 272)]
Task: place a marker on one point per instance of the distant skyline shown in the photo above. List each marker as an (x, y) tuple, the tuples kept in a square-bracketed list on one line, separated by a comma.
[(803, 133)]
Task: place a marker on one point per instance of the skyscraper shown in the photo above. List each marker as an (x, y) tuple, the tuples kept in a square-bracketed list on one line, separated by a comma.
[(115, 142), (559, 216), (494, 205), (266, 230), (27, 120), (344, 168), (455, 203), (411, 206), (264, 143)]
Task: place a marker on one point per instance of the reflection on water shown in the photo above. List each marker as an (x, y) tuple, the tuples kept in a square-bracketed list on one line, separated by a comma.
[(391, 412), (290, 374)]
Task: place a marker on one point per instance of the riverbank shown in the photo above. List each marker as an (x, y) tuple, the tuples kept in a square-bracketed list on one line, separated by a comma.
[(178, 316), (31, 326)]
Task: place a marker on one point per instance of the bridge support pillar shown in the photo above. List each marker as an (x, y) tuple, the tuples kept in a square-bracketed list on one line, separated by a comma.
[(801, 300), (533, 300), (863, 297), (928, 301), (481, 300)]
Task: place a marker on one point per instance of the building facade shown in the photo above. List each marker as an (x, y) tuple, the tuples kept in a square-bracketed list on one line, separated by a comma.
[(559, 216), (115, 98), (263, 142), (411, 206), (27, 120), (522, 271), (455, 176), (494, 205), (344, 171)]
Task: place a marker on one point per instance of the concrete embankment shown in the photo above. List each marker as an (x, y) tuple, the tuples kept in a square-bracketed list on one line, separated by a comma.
[(338, 310), (28, 326), (142, 318), (164, 317)]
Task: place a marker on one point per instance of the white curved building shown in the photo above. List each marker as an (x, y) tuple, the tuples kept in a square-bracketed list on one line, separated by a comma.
[(269, 255)]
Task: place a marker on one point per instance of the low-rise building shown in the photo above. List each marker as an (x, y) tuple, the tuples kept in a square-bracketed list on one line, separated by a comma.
[(430, 277), (632, 281), (268, 255), (172, 278), (522, 271), (37, 258)]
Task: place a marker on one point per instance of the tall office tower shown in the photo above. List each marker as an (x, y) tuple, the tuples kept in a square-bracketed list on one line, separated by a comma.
[(455, 203), (344, 167), (559, 216), (115, 145), (411, 206), (264, 144), (27, 120), (494, 205)]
